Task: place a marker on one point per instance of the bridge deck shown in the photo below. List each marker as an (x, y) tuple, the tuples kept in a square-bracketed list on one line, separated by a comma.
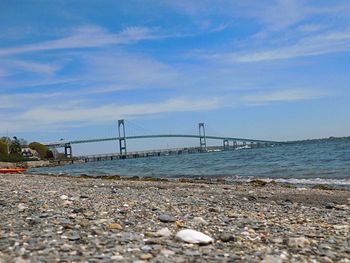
[(63, 143)]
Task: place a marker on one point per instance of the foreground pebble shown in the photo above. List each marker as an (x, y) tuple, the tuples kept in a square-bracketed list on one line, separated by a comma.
[(194, 237)]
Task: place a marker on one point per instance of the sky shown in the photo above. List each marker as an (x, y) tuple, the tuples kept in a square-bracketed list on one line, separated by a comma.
[(263, 69)]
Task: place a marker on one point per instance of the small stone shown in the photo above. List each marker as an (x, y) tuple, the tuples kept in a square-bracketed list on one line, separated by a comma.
[(117, 257), (146, 256), (78, 210), (165, 218), (341, 207), (21, 207), (272, 259), (301, 242), (226, 237), (193, 237), (115, 226), (74, 237), (164, 232), (20, 260), (341, 227), (330, 206), (200, 221), (167, 252), (66, 247), (67, 203), (146, 249), (64, 197)]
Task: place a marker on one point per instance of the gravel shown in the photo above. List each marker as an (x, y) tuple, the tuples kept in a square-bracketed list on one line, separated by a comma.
[(65, 219)]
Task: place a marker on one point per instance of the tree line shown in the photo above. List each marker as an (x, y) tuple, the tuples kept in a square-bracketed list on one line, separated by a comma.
[(11, 150)]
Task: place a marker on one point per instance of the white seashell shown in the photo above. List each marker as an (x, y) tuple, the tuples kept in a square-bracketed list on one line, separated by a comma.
[(193, 237)]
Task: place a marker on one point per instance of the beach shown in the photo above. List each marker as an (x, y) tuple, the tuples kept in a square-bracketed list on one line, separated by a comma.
[(47, 218)]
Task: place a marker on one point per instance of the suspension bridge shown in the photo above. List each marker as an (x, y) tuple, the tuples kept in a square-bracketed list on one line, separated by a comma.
[(227, 143)]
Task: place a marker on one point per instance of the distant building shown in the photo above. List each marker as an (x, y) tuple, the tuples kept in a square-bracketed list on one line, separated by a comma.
[(30, 153)]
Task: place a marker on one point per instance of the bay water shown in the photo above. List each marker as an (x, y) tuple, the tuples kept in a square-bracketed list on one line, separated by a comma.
[(310, 162)]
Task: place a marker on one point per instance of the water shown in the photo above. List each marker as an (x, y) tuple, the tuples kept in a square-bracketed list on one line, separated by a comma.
[(326, 161)]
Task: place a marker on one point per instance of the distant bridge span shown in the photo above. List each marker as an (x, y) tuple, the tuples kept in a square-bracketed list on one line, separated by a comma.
[(122, 138), (60, 144)]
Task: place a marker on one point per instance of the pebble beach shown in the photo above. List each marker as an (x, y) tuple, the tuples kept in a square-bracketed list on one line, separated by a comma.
[(45, 218)]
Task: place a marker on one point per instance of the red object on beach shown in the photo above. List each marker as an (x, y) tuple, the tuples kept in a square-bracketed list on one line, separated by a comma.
[(12, 170)]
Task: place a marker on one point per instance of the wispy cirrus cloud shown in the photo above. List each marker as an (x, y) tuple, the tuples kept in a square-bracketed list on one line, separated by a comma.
[(15, 65), (286, 95), (329, 42), (73, 114), (86, 37), (275, 15)]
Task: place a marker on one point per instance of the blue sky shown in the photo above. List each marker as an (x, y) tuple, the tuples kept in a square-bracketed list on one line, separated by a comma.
[(276, 70)]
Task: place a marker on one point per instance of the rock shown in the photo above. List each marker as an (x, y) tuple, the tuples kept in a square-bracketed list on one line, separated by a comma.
[(74, 237), (301, 242), (64, 197), (21, 207), (330, 206), (341, 207), (44, 215), (115, 226), (66, 203), (213, 210), (78, 210), (193, 237), (167, 252), (252, 198), (146, 249), (272, 259), (200, 221), (66, 247), (146, 256), (117, 257), (165, 218), (341, 227), (164, 232), (226, 237)]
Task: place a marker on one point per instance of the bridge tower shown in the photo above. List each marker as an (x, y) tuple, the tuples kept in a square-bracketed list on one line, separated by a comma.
[(202, 138), (122, 139), (226, 145), (68, 150)]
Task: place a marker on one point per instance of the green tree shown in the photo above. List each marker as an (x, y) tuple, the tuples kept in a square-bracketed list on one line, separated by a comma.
[(3, 150), (15, 146), (41, 149)]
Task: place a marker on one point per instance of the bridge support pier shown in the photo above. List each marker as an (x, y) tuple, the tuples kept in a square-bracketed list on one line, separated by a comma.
[(226, 145), (235, 144), (122, 139), (202, 138), (68, 150)]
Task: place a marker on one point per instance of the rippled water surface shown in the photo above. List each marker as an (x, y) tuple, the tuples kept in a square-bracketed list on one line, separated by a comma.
[(317, 161)]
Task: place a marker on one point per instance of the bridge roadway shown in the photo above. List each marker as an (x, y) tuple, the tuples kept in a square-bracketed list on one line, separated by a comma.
[(64, 143)]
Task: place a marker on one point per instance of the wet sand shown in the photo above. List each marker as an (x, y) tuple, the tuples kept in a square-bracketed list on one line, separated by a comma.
[(65, 219)]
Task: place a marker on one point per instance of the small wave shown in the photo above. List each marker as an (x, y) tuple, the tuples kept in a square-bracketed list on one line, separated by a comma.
[(299, 181), (345, 182)]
